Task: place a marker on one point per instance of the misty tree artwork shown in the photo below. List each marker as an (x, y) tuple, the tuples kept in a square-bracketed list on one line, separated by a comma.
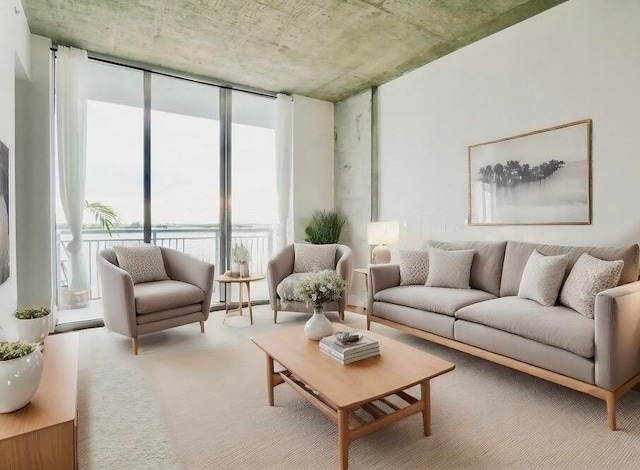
[(539, 178)]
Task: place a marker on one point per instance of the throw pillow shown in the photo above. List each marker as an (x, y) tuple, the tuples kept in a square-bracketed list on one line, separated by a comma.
[(449, 268), (287, 287), (414, 267), (310, 258), (542, 278), (588, 278), (143, 263)]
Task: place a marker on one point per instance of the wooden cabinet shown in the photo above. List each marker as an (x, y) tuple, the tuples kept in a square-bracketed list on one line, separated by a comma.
[(43, 434)]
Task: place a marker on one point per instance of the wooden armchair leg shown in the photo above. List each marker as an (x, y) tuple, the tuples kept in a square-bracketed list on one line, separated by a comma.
[(275, 316), (134, 343), (202, 326), (368, 323), (342, 316), (611, 409)]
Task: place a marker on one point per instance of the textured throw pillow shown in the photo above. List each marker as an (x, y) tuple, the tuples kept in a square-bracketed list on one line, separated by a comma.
[(143, 263), (414, 267), (310, 258), (449, 268), (588, 278), (542, 278)]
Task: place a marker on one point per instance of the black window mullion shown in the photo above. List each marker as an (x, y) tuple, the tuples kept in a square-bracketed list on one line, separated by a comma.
[(147, 157)]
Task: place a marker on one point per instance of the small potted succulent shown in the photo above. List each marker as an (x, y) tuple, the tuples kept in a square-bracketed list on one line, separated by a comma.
[(241, 257), (33, 324), (318, 289), (20, 374)]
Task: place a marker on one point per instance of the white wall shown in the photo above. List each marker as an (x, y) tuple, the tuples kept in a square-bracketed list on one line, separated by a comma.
[(578, 60), (312, 160), (33, 180), (14, 59)]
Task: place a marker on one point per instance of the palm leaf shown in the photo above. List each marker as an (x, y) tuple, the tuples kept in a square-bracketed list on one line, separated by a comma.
[(103, 214)]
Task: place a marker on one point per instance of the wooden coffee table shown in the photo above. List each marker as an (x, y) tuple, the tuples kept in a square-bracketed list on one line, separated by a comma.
[(361, 397)]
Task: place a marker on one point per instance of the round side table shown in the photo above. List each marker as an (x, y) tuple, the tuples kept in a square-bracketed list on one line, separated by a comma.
[(227, 281)]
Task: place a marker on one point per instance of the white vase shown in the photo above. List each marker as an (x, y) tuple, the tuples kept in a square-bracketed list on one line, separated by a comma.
[(34, 330), (244, 269), (318, 326), (19, 380)]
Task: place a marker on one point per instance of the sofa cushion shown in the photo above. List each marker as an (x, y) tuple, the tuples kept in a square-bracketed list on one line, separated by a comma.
[(414, 267), (486, 269), (286, 288), (164, 295), (557, 326), (542, 278), (517, 255), (143, 263), (309, 258), (588, 278), (432, 299), (449, 268)]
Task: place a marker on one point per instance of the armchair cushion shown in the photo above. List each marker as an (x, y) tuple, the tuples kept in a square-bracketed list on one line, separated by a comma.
[(163, 295), (287, 287), (143, 263), (309, 258)]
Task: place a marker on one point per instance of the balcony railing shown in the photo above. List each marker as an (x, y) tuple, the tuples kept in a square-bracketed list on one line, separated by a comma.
[(201, 242)]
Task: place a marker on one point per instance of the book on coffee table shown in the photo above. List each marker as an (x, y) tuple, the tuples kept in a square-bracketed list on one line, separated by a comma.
[(351, 358)]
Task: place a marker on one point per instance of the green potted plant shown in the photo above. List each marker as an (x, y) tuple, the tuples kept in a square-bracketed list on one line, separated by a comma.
[(33, 324), (318, 289), (325, 227), (20, 374), (241, 257)]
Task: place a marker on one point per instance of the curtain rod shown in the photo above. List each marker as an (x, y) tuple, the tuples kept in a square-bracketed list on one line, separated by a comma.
[(172, 73)]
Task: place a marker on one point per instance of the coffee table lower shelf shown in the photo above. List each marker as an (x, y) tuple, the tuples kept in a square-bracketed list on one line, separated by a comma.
[(360, 419)]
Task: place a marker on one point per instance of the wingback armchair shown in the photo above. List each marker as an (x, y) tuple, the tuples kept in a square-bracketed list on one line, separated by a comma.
[(137, 309), (281, 278)]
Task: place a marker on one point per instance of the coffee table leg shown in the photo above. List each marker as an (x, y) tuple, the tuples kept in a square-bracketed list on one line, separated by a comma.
[(343, 438), (425, 392), (270, 385)]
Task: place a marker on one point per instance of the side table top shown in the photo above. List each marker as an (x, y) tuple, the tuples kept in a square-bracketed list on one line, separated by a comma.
[(250, 278), (55, 400)]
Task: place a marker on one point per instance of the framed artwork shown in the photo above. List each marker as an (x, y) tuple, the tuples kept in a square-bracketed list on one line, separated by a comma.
[(538, 178), (5, 257)]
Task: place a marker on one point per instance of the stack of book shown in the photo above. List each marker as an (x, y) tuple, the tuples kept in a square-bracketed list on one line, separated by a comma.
[(346, 354)]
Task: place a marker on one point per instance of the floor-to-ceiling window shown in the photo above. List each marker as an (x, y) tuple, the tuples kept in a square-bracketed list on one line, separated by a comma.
[(167, 176)]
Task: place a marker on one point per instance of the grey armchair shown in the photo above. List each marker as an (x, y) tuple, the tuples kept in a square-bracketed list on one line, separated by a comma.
[(281, 267), (134, 310)]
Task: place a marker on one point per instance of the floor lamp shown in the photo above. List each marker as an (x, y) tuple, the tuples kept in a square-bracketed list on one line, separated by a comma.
[(381, 234)]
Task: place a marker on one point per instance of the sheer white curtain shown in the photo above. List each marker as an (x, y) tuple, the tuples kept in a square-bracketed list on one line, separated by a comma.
[(71, 126), (284, 158)]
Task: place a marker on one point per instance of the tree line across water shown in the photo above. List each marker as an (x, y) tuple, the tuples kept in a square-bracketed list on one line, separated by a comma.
[(514, 172)]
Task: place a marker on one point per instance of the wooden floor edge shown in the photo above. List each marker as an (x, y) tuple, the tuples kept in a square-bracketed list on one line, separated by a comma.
[(545, 374)]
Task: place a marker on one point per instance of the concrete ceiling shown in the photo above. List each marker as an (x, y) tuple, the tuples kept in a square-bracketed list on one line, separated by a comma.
[(326, 49)]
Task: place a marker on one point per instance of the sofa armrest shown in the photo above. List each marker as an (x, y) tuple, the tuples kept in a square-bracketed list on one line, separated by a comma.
[(118, 299), (617, 335), (186, 268), (344, 267), (381, 276), (278, 268)]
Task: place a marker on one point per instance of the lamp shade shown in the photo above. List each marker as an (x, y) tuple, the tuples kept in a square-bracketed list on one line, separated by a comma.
[(381, 233)]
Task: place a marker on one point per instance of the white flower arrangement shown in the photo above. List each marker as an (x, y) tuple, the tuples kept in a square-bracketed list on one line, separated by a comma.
[(320, 288), (240, 254)]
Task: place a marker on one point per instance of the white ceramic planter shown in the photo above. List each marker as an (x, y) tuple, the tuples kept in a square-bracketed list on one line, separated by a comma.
[(244, 269), (34, 330), (318, 326), (19, 380)]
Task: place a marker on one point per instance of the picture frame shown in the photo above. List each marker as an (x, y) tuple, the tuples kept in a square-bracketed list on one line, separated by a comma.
[(536, 178)]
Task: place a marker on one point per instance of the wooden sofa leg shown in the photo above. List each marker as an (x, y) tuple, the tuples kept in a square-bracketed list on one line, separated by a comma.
[(368, 323), (342, 317), (202, 326), (275, 316), (134, 343), (611, 409)]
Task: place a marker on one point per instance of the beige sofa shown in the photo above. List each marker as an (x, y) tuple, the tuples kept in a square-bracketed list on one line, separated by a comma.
[(600, 356), (137, 309)]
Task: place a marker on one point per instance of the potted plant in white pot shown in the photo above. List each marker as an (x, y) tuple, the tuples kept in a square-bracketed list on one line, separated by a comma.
[(20, 374), (33, 324), (241, 257), (318, 289)]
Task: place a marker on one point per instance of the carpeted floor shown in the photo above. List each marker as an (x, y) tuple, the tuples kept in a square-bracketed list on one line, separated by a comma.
[(198, 401)]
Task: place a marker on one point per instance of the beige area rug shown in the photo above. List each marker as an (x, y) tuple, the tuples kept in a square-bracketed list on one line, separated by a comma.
[(198, 401)]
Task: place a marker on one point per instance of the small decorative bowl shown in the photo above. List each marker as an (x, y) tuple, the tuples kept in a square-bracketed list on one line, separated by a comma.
[(347, 338)]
